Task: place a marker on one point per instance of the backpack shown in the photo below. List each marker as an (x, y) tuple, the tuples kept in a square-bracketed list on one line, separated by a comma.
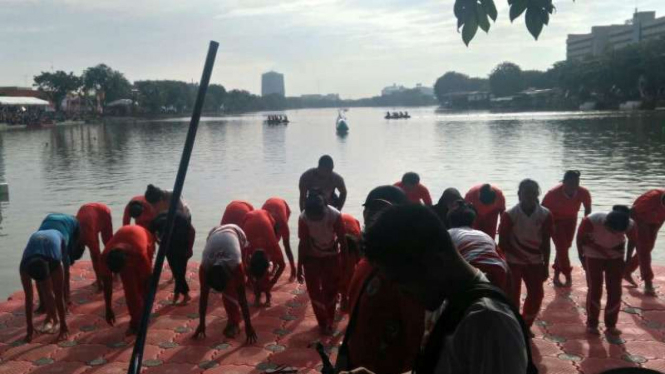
[(453, 315)]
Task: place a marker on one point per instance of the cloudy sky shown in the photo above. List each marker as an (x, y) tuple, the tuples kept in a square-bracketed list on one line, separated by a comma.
[(350, 47)]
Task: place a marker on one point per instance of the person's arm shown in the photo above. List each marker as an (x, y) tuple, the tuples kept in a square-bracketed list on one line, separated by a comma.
[(505, 230), (66, 262), (190, 241), (548, 228), (278, 260), (107, 281), (587, 203), (303, 247), (303, 192), (289, 254), (27, 289), (632, 241), (584, 239), (340, 232), (427, 198), (342, 193), (126, 218), (107, 229), (203, 305), (58, 282), (242, 299)]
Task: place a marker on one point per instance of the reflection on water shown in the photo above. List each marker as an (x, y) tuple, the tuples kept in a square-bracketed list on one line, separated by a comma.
[(59, 169)]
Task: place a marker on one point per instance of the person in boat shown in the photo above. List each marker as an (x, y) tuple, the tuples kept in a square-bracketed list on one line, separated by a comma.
[(182, 245), (221, 269), (94, 219), (281, 212), (263, 257), (416, 192), (447, 201), (129, 253), (349, 259), (564, 202), (489, 202), (161, 199), (69, 227), (286, 119), (524, 236), (385, 326), (235, 212), (140, 210), (324, 180), (321, 232), (388, 115), (476, 330), (43, 262), (601, 242), (649, 214)]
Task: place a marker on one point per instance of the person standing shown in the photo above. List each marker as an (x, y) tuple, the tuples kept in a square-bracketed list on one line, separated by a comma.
[(649, 214), (128, 253), (234, 213), (601, 244), (489, 202), (280, 212), (524, 236), (95, 219), (161, 200), (416, 192), (221, 270), (321, 233), (349, 259), (324, 180), (140, 210), (564, 203), (447, 201)]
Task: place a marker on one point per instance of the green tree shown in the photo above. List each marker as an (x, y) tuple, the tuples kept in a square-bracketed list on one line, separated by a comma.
[(214, 98), (108, 84), (474, 14), (457, 82), (506, 79), (57, 85)]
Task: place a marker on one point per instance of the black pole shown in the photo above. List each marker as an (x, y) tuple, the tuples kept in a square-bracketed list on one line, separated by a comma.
[(139, 345)]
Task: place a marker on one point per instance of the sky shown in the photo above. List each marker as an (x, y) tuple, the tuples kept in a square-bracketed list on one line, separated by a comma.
[(350, 47)]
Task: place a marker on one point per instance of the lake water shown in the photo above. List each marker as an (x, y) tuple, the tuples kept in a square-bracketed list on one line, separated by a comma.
[(57, 170)]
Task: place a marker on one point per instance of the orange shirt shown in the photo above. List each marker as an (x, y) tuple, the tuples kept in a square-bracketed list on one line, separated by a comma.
[(416, 194), (235, 212), (351, 225), (565, 207), (280, 211), (259, 227), (488, 215), (139, 245), (95, 218), (145, 218), (649, 207)]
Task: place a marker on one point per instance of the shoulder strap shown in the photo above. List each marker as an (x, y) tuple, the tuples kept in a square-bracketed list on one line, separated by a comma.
[(451, 317)]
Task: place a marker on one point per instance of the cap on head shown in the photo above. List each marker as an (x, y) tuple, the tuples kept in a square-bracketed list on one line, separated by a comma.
[(116, 260), (38, 269), (487, 194), (618, 219), (258, 264), (326, 162), (135, 209), (153, 194), (411, 179)]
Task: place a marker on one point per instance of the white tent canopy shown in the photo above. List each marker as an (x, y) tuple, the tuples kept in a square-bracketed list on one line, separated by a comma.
[(23, 101)]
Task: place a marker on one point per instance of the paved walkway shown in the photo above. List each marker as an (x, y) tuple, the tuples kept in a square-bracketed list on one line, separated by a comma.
[(287, 331)]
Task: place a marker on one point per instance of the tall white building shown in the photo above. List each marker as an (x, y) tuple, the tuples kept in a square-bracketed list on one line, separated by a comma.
[(642, 27), (272, 83)]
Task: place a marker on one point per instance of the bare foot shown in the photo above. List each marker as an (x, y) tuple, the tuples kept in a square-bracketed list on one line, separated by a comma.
[(47, 328), (176, 297), (230, 331), (593, 331), (186, 299), (569, 281), (629, 278), (649, 290), (293, 277), (268, 298), (613, 331)]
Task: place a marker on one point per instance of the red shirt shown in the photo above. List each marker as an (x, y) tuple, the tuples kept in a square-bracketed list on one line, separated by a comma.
[(145, 218), (280, 211), (649, 208), (95, 218), (259, 227), (139, 245), (235, 212), (416, 194), (351, 225), (565, 207), (487, 215)]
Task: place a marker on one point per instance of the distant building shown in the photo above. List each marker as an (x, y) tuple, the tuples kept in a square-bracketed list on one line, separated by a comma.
[(314, 97), (21, 91), (272, 83), (428, 91), (643, 26), (392, 90)]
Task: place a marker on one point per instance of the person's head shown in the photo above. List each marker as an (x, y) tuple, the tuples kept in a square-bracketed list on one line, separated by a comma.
[(116, 260), (381, 198), (258, 264), (410, 179), (462, 215), (528, 193), (618, 220), (487, 194), (216, 278), (38, 269), (135, 209), (571, 181), (326, 165), (449, 197), (315, 206), (411, 246), (153, 194)]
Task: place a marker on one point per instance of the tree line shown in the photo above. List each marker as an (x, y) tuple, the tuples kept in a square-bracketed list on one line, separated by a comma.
[(630, 73)]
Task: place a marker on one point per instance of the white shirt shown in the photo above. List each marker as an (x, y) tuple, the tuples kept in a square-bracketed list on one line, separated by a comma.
[(605, 238), (526, 235), (224, 247), (322, 232)]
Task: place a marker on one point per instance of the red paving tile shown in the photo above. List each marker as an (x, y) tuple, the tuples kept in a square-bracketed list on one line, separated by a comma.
[(288, 329)]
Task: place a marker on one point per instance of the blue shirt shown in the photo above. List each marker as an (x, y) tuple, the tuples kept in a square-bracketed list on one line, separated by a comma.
[(46, 244), (68, 226)]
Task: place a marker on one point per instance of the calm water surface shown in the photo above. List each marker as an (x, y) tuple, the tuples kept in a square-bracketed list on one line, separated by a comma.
[(57, 170)]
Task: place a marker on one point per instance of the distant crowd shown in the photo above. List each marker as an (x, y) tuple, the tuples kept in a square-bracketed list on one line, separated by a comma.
[(426, 286), (21, 115)]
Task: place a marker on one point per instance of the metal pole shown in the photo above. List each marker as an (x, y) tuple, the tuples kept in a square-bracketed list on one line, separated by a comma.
[(139, 345)]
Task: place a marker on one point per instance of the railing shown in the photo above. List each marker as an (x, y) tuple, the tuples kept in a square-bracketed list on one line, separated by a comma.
[(139, 345)]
